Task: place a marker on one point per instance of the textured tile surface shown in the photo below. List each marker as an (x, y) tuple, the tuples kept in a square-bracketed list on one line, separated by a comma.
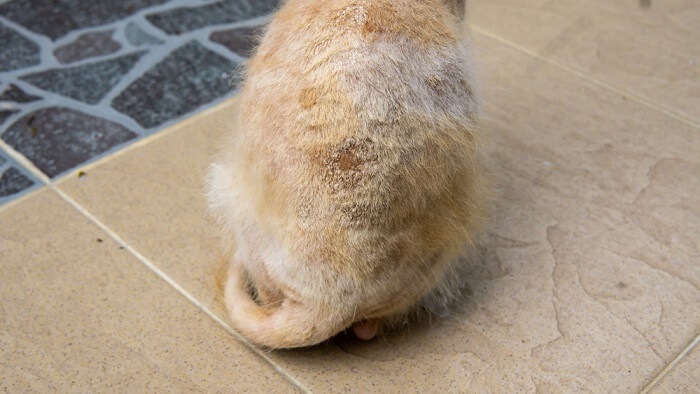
[(6, 113), (684, 377), (16, 51), (14, 179), (79, 314), (590, 282), (87, 45), (56, 139), (169, 172), (40, 16), (189, 77), (17, 95), (649, 48), (180, 20), (81, 55), (88, 83)]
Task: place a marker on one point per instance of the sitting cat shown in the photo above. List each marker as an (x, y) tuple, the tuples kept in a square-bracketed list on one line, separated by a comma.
[(354, 177)]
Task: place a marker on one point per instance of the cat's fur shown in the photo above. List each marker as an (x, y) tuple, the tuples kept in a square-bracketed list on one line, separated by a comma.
[(354, 177)]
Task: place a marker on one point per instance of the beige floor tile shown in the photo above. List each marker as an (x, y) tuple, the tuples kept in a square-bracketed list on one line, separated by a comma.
[(591, 279), (652, 51), (684, 377), (80, 314)]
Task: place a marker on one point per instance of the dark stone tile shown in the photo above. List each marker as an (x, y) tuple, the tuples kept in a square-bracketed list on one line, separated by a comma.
[(17, 95), (16, 51), (241, 41), (88, 82), (86, 46), (181, 20), (6, 113), (13, 181), (57, 139), (56, 18), (188, 78), (138, 37)]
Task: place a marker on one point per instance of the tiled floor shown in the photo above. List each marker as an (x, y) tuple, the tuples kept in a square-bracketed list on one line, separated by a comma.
[(593, 277), (80, 80)]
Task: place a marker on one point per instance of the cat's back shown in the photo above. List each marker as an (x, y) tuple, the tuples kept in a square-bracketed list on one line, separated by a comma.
[(362, 109), (340, 62)]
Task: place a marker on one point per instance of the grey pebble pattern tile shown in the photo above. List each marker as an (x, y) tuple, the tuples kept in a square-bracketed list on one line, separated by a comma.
[(6, 113), (17, 95), (88, 83), (86, 46), (16, 50), (14, 180), (205, 79), (56, 18), (56, 139), (81, 79), (186, 19)]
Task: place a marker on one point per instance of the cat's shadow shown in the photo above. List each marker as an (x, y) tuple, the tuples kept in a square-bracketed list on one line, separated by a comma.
[(426, 332), (450, 330)]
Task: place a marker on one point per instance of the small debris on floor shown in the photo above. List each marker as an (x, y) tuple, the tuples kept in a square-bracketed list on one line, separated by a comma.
[(99, 240), (81, 174)]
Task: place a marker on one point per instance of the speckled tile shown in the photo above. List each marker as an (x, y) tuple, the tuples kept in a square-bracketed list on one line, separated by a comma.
[(16, 50), (158, 188), (590, 282), (181, 20), (16, 95), (107, 60), (89, 82), (6, 113), (647, 47), (40, 16), (168, 94), (684, 377), (15, 180), (80, 314), (87, 45), (56, 139)]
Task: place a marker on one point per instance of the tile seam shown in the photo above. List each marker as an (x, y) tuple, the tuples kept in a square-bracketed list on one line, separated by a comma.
[(641, 99), (176, 286), (24, 162), (671, 365), (146, 262), (25, 195), (27, 166), (146, 140)]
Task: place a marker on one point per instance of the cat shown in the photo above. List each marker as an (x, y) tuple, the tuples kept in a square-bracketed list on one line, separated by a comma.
[(354, 176)]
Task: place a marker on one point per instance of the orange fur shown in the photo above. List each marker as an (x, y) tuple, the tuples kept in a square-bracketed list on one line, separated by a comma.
[(356, 178)]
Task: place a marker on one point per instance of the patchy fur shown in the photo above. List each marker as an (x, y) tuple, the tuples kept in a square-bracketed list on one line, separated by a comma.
[(355, 179)]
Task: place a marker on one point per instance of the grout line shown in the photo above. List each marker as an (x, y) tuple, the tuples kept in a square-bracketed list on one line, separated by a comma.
[(671, 365), (150, 265), (24, 195), (148, 139), (673, 113), (24, 162)]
